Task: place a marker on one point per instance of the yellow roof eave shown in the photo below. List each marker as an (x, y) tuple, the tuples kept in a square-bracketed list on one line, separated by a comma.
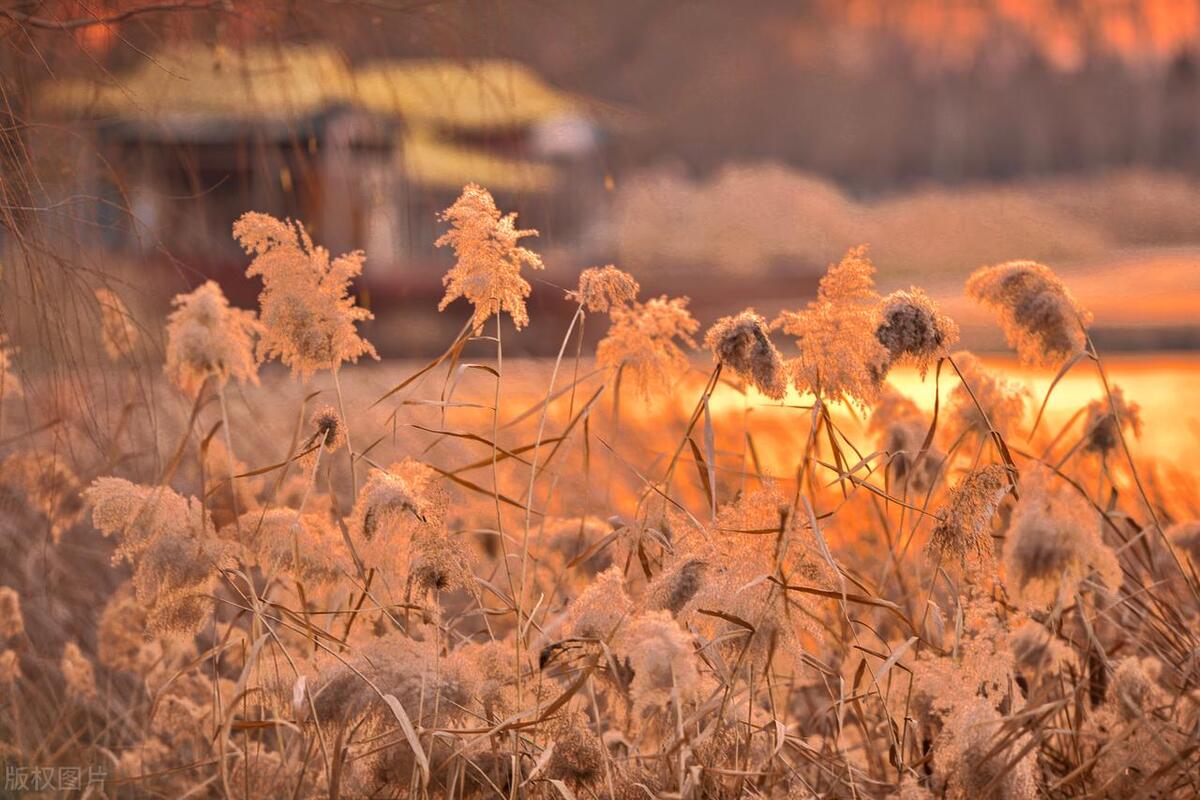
[(462, 94), (259, 83), (428, 162), (290, 81)]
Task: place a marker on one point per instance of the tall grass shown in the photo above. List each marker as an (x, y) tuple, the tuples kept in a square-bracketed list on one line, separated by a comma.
[(496, 595)]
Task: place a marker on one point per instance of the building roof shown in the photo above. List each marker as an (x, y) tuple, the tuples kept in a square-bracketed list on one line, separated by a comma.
[(264, 83), (202, 93), (429, 161), (285, 82), (462, 94)]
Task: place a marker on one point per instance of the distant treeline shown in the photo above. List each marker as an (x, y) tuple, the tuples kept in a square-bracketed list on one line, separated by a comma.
[(882, 94)]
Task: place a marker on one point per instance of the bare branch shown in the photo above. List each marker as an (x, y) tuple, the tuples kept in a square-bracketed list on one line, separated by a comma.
[(29, 21)]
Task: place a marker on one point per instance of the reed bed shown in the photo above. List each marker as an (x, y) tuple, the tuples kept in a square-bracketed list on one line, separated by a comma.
[(690, 564)]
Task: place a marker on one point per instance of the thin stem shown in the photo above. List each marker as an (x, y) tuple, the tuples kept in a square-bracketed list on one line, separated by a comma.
[(237, 514), (616, 433), (1001, 446), (537, 444), (710, 386), (337, 386), (516, 600)]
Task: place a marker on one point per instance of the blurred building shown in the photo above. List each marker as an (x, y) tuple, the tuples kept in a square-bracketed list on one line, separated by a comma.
[(366, 156)]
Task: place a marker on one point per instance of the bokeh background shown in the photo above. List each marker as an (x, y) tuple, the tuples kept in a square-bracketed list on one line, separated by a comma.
[(726, 150)]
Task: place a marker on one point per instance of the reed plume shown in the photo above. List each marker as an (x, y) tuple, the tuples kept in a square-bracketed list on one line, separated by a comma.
[(12, 623), (206, 337), (913, 331), (1053, 544), (1102, 429), (118, 332), (965, 521), (742, 344), (487, 270), (308, 319), (1040, 317), (10, 381), (647, 340), (603, 288), (841, 357), (170, 543)]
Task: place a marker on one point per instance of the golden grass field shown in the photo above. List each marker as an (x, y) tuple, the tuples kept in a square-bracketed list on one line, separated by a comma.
[(829, 555)]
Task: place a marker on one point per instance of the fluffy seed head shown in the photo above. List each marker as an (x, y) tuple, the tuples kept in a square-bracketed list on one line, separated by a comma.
[(12, 623), (1134, 689), (10, 671), (965, 520), (674, 588), (307, 546), (578, 755), (601, 288), (910, 789), (121, 641), (1053, 544), (206, 337), (117, 329), (603, 606), (1003, 402), (912, 329), (567, 539), (168, 540), (907, 466), (46, 484), (968, 758), (10, 383), (396, 501), (140, 514), (1036, 653), (439, 564), (752, 538), (77, 672), (328, 430), (308, 318), (488, 268), (1040, 318), (644, 340), (903, 429), (891, 407), (841, 357), (662, 658), (741, 343), (432, 687), (1102, 430)]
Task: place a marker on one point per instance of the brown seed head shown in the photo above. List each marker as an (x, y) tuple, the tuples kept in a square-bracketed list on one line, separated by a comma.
[(1039, 316), (328, 429), (913, 330), (741, 343), (1102, 430), (965, 520)]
